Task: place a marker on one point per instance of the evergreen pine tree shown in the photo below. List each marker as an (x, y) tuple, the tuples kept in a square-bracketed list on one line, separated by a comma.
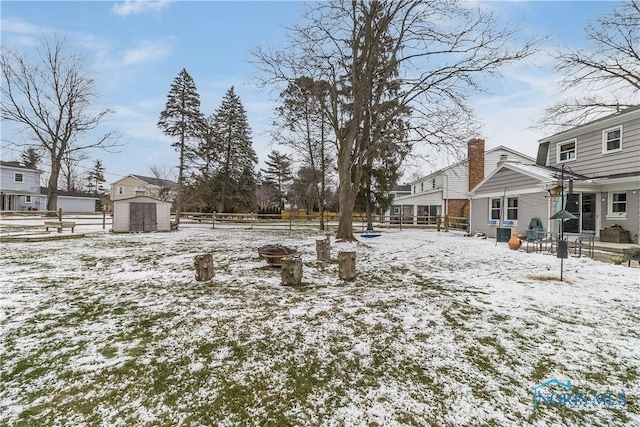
[(183, 120), (278, 173), (30, 157), (96, 175), (230, 157)]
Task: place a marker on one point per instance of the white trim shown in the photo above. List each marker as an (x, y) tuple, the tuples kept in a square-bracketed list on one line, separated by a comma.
[(575, 150), (604, 140), (611, 215)]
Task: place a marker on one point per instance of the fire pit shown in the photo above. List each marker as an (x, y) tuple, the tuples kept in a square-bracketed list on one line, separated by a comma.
[(275, 253)]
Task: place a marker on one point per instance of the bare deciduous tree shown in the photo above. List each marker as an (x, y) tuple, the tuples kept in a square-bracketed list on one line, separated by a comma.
[(608, 70), (423, 56), (165, 186), (52, 98), (69, 169)]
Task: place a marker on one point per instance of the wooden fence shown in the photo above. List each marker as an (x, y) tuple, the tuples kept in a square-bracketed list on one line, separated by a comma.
[(289, 220)]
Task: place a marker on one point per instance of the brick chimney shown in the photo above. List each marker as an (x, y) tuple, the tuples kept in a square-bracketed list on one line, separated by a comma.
[(475, 148)]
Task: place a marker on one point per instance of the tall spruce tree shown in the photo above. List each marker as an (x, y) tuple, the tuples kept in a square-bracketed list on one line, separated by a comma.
[(30, 157), (96, 175), (278, 173), (183, 120), (230, 158)]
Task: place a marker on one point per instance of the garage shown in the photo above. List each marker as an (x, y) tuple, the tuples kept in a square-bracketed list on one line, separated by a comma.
[(141, 214)]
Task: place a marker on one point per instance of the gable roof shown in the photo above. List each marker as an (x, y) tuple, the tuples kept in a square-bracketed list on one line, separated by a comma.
[(466, 160), (151, 180), (539, 173), (156, 181)]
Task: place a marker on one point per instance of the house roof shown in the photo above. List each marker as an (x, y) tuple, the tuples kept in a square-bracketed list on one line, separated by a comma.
[(624, 112), (156, 181), (540, 173), (465, 160), (17, 165), (74, 193)]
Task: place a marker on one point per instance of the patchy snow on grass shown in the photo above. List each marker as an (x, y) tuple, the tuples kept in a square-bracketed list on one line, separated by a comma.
[(437, 329)]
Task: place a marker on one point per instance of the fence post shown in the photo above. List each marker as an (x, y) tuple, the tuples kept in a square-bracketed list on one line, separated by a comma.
[(290, 215), (104, 219), (60, 214), (213, 220)]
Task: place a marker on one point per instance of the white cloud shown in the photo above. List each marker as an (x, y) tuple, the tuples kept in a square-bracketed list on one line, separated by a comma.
[(131, 7), (147, 52)]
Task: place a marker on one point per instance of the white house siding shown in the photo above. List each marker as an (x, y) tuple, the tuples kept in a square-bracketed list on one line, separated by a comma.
[(77, 204), (590, 161), (492, 157)]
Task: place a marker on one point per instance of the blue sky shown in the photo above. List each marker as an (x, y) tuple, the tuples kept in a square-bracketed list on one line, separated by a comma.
[(137, 48)]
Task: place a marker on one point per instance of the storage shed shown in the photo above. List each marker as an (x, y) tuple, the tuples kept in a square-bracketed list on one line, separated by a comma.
[(141, 214)]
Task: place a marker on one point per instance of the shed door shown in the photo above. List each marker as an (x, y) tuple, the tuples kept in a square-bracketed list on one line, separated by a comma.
[(142, 217)]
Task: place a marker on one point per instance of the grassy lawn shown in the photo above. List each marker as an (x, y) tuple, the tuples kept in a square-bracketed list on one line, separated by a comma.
[(437, 329)]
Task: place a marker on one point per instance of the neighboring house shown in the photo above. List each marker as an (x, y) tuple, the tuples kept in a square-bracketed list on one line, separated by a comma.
[(601, 159), (139, 185), (446, 191), (21, 191), (20, 188)]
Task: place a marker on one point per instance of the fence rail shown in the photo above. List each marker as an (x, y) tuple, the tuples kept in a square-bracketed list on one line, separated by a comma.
[(285, 219), (288, 220)]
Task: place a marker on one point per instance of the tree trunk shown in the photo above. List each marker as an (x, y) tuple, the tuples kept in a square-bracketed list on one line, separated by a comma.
[(347, 265), (291, 271), (52, 193)]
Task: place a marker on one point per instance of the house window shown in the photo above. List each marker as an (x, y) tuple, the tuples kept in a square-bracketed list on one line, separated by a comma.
[(512, 208), (120, 190), (619, 203), (422, 186), (495, 209), (18, 177), (612, 140), (567, 151), (433, 184), (27, 199)]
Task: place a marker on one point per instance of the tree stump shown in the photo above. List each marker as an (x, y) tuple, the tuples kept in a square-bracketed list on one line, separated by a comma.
[(323, 249), (291, 271), (347, 265), (204, 267)]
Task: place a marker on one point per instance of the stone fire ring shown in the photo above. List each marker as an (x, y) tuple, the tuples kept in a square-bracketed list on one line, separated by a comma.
[(275, 253)]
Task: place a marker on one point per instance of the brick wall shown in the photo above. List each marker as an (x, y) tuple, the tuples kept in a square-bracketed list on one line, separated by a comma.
[(458, 207), (475, 149)]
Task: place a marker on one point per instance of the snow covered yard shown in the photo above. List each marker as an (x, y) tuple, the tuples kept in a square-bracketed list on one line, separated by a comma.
[(438, 329)]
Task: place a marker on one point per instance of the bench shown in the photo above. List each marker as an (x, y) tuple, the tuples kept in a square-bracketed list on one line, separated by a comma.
[(59, 225)]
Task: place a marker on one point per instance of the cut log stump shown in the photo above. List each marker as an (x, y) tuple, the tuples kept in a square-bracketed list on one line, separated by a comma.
[(323, 250), (347, 265), (203, 265), (291, 271)]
